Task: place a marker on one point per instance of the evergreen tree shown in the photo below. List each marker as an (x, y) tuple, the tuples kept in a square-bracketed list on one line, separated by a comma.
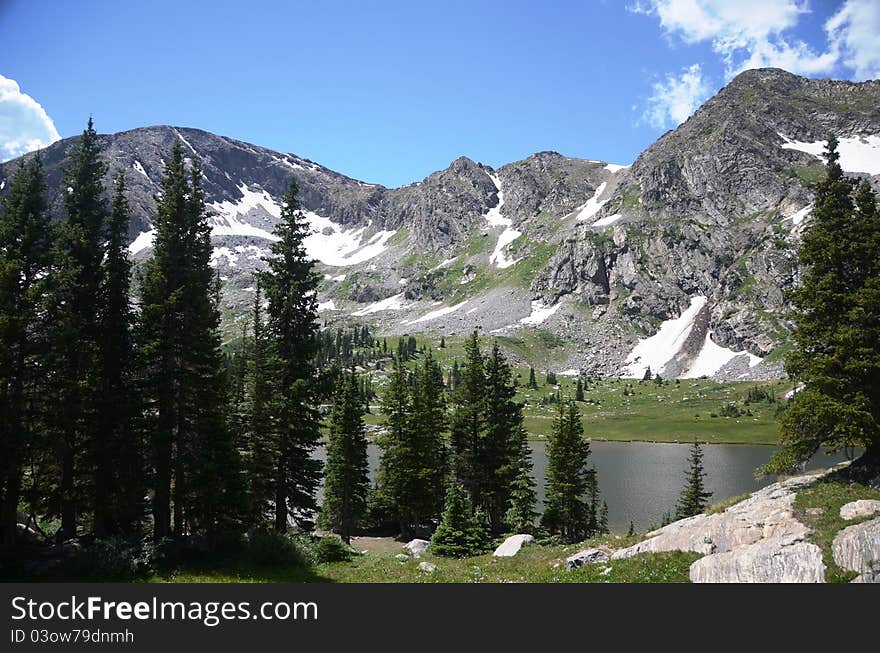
[(442, 342), (194, 460), (579, 391), (837, 327), (24, 260), (468, 423), (290, 284), (75, 358), (694, 497), (346, 484), (499, 459), (119, 448), (521, 514), (459, 533), (454, 376), (533, 382), (568, 478), (428, 424)]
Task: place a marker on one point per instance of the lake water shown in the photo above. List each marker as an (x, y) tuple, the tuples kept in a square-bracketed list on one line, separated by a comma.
[(640, 481)]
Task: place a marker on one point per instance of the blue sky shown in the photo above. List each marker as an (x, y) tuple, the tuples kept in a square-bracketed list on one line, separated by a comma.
[(388, 92)]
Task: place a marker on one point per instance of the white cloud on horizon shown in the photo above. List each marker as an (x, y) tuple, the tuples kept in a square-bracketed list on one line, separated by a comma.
[(675, 98), (854, 33), (24, 124)]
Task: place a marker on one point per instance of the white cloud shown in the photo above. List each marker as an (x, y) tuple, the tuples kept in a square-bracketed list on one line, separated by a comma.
[(854, 32), (24, 124), (745, 34), (674, 99)]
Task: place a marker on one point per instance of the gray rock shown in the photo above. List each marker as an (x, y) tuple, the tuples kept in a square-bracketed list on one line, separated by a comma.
[(401, 557), (860, 508), (586, 557), (773, 560), (857, 548), (427, 567), (416, 547), (512, 545)]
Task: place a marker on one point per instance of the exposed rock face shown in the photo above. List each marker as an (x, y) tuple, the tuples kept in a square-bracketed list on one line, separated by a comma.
[(705, 211), (857, 548), (511, 546), (860, 508), (586, 557), (774, 560)]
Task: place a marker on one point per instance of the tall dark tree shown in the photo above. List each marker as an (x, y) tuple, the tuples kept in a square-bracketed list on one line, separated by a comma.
[(460, 532), (290, 284), (533, 382), (346, 484), (579, 390), (428, 425), (569, 480), (468, 423), (118, 447), (24, 259), (194, 459), (76, 361), (837, 326), (694, 497)]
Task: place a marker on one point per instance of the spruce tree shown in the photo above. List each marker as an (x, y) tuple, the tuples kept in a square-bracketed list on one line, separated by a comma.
[(568, 478), (428, 425), (119, 448), (468, 423), (579, 390), (521, 515), (694, 497), (24, 260), (75, 358), (346, 483), (459, 533), (837, 327), (533, 382), (290, 284), (194, 458)]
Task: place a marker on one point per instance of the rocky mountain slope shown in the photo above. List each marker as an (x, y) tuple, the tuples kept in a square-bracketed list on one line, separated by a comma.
[(678, 263)]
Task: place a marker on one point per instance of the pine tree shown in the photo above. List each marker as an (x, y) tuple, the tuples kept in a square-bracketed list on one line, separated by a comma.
[(194, 460), (428, 425), (568, 478), (75, 359), (499, 458), (119, 450), (579, 391), (24, 260), (290, 284), (459, 533), (837, 327), (442, 342), (533, 382), (694, 497), (521, 514), (346, 483), (468, 423), (454, 376)]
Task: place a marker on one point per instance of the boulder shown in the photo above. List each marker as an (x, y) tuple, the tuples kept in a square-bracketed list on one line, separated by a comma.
[(511, 546), (766, 514), (860, 508), (416, 547), (857, 548), (427, 567), (772, 560), (401, 557), (586, 557)]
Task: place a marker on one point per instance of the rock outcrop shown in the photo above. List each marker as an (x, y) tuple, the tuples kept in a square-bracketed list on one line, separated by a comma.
[(511, 546), (586, 557), (857, 548), (774, 560), (860, 508)]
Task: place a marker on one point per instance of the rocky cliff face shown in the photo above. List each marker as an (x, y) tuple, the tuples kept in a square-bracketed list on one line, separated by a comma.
[(689, 250)]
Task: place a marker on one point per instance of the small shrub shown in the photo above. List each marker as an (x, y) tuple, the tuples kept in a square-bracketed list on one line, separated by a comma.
[(274, 549), (331, 549)]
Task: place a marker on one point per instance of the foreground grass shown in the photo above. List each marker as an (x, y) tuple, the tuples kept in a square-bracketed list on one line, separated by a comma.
[(818, 506), (533, 564)]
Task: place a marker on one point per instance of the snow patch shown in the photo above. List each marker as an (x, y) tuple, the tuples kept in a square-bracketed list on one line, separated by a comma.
[(444, 263), (223, 252), (607, 220), (143, 241), (494, 218), (540, 312), (592, 206), (140, 168), (185, 142), (227, 222), (571, 372), (440, 312), (659, 349), (393, 303), (857, 153), (613, 167), (799, 216), (329, 305), (713, 357), (332, 245)]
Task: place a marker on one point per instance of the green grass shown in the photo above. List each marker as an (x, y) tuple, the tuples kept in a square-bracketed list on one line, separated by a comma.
[(828, 495)]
